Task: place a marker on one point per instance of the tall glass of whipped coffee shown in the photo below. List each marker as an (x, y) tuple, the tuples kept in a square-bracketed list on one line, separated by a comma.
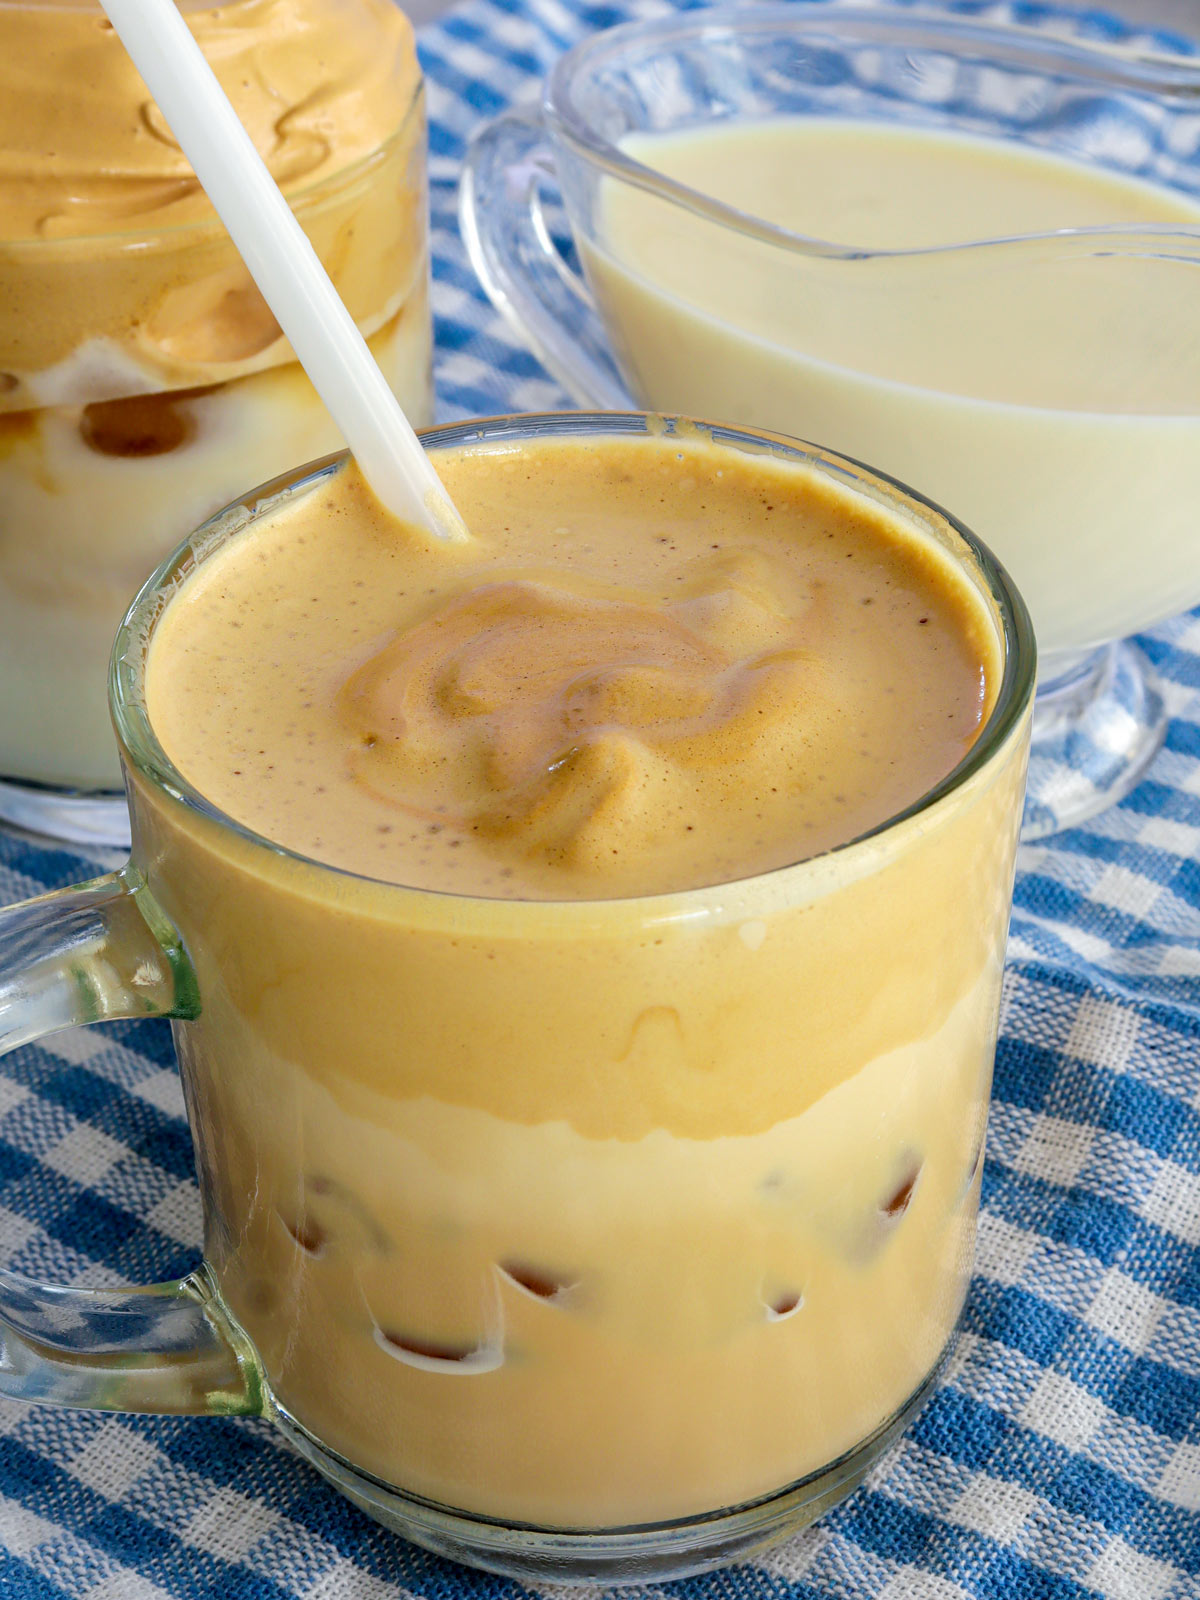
[(584, 944), (967, 253), (143, 381)]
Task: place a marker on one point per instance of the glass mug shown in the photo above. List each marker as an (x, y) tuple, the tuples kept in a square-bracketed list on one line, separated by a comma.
[(622, 1321), (1085, 489), (170, 388)]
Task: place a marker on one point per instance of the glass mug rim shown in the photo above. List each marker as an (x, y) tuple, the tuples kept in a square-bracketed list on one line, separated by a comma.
[(307, 199), (567, 120), (141, 748)]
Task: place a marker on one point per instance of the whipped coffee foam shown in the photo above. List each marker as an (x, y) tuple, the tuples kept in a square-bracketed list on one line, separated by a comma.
[(651, 667)]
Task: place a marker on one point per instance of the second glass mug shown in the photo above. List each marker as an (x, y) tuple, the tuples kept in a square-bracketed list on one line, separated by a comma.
[(143, 381), (712, 1269), (1088, 496)]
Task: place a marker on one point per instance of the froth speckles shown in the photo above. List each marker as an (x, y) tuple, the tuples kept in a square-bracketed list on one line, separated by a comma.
[(554, 719)]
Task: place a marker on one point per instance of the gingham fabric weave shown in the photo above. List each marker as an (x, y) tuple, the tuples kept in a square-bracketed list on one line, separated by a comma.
[(1061, 1456)]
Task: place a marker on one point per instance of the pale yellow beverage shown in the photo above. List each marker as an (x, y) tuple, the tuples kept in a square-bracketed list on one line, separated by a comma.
[(1049, 397), (579, 1153)]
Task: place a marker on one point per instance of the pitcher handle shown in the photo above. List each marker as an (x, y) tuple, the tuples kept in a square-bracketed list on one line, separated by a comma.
[(503, 221), (96, 951)]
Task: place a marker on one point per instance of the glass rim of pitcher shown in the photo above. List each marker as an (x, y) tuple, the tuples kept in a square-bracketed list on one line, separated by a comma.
[(140, 744), (307, 197), (1154, 72)]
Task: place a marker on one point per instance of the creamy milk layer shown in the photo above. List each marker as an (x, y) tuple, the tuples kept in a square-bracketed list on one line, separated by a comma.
[(143, 381), (1049, 398), (650, 668), (587, 1212), (94, 497)]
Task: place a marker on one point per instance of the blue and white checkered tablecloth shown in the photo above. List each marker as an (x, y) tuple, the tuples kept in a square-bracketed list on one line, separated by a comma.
[(1061, 1456)]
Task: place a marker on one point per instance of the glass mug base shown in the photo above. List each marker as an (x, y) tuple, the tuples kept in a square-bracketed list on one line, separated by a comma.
[(1098, 723), (650, 1553), (76, 816)]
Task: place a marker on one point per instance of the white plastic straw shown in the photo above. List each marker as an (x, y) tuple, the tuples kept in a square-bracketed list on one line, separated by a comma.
[(283, 263)]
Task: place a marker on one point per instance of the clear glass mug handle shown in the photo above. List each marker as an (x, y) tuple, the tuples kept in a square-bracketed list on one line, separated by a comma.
[(104, 950), (502, 214)]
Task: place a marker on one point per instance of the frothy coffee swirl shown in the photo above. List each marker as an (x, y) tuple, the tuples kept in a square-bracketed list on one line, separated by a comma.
[(653, 666), (580, 725)]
